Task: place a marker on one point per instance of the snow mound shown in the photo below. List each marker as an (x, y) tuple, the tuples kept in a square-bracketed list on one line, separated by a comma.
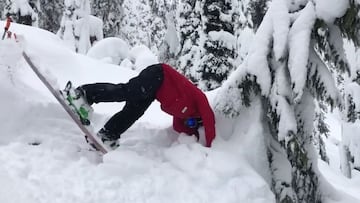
[(111, 50), (141, 56)]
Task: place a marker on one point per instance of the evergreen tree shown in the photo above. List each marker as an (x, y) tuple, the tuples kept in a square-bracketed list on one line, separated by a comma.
[(219, 47), (67, 26), (350, 153), (50, 15), (289, 68), (146, 25), (321, 130), (111, 13), (159, 10), (243, 30), (211, 37), (257, 10), (170, 46), (190, 26), (78, 28), (26, 13), (2, 9), (136, 23)]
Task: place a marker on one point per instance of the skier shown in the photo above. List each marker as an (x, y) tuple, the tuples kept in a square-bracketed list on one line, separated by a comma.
[(177, 95)]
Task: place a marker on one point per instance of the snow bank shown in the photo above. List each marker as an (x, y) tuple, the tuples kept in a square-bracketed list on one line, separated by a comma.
[(141, 56), (111, 50), (10, 53)]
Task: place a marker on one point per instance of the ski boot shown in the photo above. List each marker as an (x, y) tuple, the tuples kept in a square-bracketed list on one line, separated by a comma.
[(77, 101), (107, 139), (111, 141)]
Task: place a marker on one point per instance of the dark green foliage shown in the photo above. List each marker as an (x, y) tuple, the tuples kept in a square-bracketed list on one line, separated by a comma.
[(217, 61), (321, 126), (216, 66), (304, 181), (111, 13), (257, 10), (320, 131), (2, 7), (160, 7), (322, 150), (163, 14), (248, 87), (284, 187), (190, 30), (212, 10), (326, 38), (352, 115), (350, 23), (318, 89), (50, 15)]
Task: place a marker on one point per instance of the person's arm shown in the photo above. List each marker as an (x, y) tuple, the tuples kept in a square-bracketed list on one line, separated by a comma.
[(207, 116)]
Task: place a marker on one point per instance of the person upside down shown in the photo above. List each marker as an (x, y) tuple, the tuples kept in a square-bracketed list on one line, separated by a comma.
[(177, 96)]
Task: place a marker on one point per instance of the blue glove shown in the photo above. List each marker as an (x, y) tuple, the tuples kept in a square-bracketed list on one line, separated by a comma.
[(193, 122)]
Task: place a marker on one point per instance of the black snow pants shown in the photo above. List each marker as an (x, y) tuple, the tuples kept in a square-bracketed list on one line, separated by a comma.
[(138, 94)]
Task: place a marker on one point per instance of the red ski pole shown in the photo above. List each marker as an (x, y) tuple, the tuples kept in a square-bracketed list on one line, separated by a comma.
[(6, 28)]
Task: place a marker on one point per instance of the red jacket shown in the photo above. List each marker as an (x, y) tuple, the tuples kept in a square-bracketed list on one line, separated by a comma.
[(182, 99)]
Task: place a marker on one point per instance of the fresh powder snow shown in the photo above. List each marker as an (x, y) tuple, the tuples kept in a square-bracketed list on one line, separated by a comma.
[(44, 156)]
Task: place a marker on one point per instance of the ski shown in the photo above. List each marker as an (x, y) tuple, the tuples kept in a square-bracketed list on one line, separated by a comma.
[(86, 129)]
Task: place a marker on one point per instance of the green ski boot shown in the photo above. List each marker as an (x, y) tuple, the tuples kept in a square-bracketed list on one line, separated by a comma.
[(77, 101)]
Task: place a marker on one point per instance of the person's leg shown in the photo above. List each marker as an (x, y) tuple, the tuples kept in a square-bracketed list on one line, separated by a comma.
[(122, 120), (141, 87), (104, 92), (146, 84), (138, 93)]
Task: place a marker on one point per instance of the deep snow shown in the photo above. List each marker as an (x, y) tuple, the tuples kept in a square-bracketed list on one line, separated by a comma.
[(44, 157)]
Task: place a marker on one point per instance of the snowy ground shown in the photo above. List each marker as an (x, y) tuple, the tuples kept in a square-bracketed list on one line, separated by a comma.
[(44, 157)]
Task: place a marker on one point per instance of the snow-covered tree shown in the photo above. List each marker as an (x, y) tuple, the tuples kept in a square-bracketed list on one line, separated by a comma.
[(321, 130), (171, 44), (23, 11), (143, 23), (160, 10), (214, 38), (350, 146), (243, 29), (50, 15), (219, 47), (289, 69), (67, 26), (136, 23), (257, 9), (111, 13), (191, 38), (2, 9), (160, 7), (78, 28)]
